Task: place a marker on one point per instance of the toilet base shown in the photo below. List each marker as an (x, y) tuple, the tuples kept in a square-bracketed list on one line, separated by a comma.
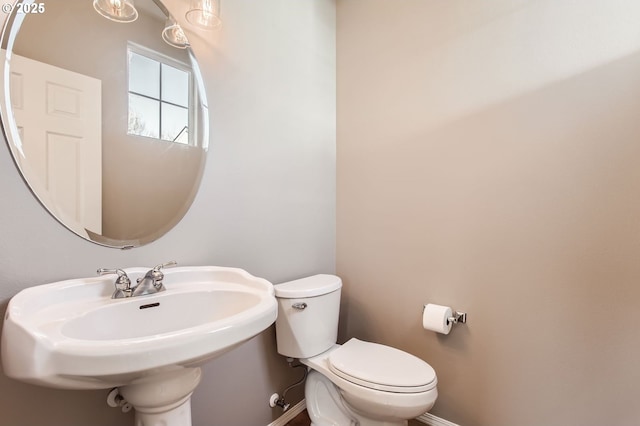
[(326, 407)]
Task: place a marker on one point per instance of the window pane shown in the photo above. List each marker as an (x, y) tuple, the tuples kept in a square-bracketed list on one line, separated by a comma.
[(144, 75), (175, 86), (175, 123), (144, 116)]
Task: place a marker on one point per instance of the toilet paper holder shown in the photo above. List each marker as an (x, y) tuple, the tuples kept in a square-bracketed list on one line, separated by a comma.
[(457, 317)]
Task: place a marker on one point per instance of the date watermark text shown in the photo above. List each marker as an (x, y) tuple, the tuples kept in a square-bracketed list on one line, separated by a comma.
[(23, 8)]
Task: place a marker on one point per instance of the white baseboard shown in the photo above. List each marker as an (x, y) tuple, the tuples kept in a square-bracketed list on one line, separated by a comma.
[(427, 419), (431, 420), (289, 414)]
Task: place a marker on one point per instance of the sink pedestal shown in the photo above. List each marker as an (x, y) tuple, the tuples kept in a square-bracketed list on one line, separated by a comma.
[(163, 399)]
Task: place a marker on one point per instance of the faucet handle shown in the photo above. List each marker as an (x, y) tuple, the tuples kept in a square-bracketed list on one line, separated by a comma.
[(156, 274), (165, 265), (122, 283)]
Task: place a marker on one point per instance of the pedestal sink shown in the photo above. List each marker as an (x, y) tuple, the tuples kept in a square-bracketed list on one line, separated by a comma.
[(73, 335)]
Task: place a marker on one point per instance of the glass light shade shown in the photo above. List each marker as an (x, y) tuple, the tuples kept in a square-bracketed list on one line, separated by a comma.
[(173, 34), (204, 14), (116, 10)]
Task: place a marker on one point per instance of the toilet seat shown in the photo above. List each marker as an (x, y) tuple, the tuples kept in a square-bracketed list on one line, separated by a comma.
[(381, 367)]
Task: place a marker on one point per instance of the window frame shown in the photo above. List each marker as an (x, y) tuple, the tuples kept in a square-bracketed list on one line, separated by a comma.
[(193, 101)]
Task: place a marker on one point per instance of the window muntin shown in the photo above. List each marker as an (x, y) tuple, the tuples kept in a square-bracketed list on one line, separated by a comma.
[(160, 97)]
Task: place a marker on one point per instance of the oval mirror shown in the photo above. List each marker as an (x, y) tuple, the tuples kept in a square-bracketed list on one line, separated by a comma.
[(105, 120)]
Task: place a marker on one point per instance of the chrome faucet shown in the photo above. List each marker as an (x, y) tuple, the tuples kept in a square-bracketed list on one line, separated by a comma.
[(150, 284), (152, 281)]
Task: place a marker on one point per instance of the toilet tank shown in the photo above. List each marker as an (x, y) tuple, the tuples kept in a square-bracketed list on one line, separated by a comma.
[(308, 311)]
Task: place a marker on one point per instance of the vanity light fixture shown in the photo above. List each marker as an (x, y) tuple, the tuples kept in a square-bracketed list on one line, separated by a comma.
[(204, 14), (173, 34), (116, 10)]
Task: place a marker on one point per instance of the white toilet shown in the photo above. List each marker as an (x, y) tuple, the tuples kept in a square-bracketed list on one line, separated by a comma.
[(358, 383)]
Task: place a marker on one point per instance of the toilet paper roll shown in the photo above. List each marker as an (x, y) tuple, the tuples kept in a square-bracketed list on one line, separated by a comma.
[(436, 318)]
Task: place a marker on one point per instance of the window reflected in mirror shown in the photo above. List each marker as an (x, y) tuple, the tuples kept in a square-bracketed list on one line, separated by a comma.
[(160, 96)]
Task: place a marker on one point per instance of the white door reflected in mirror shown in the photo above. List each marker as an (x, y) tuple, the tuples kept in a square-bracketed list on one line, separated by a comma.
[(62, 142)]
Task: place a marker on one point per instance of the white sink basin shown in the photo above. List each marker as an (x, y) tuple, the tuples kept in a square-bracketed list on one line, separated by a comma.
[(71, 334)]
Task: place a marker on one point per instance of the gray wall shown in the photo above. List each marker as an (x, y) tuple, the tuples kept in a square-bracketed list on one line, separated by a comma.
[(266, 204), (488, 160)]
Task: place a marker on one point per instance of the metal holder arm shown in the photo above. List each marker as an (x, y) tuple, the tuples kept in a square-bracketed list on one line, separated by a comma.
[(457, 317)]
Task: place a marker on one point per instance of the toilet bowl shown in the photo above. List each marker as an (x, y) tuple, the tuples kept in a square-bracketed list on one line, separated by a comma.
[(378, 385), (357, 383)]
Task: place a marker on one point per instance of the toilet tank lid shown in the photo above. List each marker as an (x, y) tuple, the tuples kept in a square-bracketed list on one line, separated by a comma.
[(316, 285)]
